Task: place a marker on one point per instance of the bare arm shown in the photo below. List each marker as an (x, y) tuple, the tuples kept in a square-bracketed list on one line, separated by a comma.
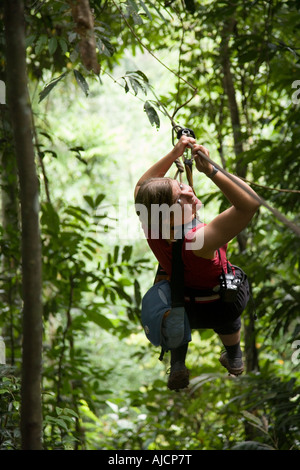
[(232, 221), (160, 168)]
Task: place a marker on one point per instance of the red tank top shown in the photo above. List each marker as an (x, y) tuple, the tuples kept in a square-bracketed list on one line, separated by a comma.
[(199, 273)]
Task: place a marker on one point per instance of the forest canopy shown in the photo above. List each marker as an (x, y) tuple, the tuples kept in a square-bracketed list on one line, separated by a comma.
[(89, 93)]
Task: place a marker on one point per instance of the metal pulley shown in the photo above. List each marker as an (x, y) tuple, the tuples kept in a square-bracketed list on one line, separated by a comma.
[(185, 131)]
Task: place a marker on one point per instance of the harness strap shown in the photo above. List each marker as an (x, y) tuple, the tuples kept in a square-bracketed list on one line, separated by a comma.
[(177, 276)]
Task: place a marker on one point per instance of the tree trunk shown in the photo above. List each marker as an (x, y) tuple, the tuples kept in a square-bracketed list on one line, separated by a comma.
[(20, 111), (228, 85), (11, 256)]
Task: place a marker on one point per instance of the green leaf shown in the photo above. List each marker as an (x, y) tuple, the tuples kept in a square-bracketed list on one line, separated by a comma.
[(252, 418), (134, 78), (71, 412), (29, 40), (121, 293), (113, 406), (255, 421), (52, 45), (63, 44), (135, 85), (105, 47), (190, 5), (58, 410), (142, 75), (41, 42), (87, 255), (206, 334), (127, 251), (116, 253), (99, 319), (50, 218), (132, 5), (126, 87), (144, 6), (124, 281), (89, 200), (136, 18), (77, 214), (252, 445), (158, 11), (99, 199), (52, 153), (82, 82), (45, 92), (61, 423), (152, 114), (137, 292), (133, 9)]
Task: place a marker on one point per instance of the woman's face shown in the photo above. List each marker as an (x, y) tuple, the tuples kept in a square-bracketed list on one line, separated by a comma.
[(165, 218), (183, 210), (189, 203)]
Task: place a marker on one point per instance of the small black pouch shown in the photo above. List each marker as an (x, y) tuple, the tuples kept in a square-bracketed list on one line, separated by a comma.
[(230, 282)]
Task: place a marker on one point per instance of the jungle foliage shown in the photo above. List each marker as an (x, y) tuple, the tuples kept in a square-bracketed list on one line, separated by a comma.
[(230, 70)]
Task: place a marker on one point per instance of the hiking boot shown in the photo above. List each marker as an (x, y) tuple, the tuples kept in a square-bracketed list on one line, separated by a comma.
[(234, 366), (179, 376)]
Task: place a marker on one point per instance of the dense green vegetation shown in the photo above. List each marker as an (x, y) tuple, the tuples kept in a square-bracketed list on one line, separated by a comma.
[(228, 70)]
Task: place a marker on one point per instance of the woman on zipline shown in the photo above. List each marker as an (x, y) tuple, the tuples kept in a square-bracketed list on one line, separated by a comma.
[(204, 258)]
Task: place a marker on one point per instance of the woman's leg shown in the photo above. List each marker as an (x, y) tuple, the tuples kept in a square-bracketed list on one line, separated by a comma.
[(230, 335), (179, 374), (232, 339), (179, 354), (232, 358)]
